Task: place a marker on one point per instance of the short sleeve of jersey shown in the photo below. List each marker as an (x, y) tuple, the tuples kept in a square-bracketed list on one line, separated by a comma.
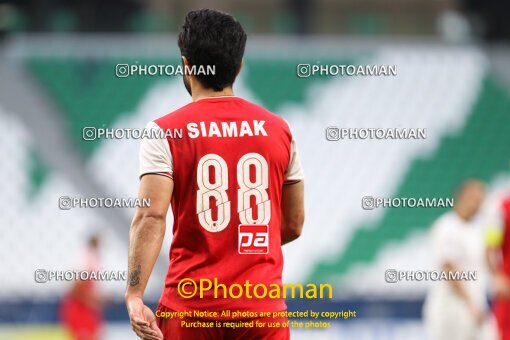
[(294, 171), (155, 154)]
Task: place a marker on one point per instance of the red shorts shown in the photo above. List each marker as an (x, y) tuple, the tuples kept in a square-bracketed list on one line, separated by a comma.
[(172, 329), (82, 321)]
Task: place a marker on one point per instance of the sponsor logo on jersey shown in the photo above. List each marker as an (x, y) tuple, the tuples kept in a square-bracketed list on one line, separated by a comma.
[(253, 239)]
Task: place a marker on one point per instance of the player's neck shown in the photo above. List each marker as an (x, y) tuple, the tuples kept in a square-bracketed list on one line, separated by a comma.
[(464, 215), (201, 93)]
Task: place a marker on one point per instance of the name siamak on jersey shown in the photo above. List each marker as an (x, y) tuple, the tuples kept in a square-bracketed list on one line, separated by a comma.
[(244, 128)]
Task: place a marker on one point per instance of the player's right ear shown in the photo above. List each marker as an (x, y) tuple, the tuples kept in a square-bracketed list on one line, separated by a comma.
[(185, 61)]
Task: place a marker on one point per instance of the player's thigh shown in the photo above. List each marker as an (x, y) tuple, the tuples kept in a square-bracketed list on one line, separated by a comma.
[(262, 333)]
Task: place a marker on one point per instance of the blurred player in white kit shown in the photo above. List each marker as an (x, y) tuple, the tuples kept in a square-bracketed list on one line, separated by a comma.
[(458, 309)]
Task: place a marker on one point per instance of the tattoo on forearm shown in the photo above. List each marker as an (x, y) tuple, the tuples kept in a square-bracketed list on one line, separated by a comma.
[(134, 276)]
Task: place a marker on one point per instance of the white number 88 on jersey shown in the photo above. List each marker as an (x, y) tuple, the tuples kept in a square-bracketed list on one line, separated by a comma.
[(217, 188)]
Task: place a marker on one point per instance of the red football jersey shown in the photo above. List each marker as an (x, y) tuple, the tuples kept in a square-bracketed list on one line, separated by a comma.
[(229, 160), (501, 306), (505, 246)]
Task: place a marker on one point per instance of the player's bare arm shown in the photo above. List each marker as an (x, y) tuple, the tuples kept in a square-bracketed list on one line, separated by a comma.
[(500, 283), (293, 211), (460, 290), (145, 240), (493, 258)]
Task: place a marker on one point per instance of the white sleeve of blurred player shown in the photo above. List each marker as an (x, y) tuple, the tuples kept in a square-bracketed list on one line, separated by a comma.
[(155, 155), (294, 171)]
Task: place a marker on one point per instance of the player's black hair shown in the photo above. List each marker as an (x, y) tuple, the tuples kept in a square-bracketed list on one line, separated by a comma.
[(209, 37)]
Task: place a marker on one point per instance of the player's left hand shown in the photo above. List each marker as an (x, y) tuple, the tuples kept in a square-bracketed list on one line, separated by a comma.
[(143, 320), (478, 314), (479, 317)]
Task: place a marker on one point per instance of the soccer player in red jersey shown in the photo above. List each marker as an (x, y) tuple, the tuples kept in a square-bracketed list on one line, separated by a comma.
[(231, 172), (498, 255), (81, 309)]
